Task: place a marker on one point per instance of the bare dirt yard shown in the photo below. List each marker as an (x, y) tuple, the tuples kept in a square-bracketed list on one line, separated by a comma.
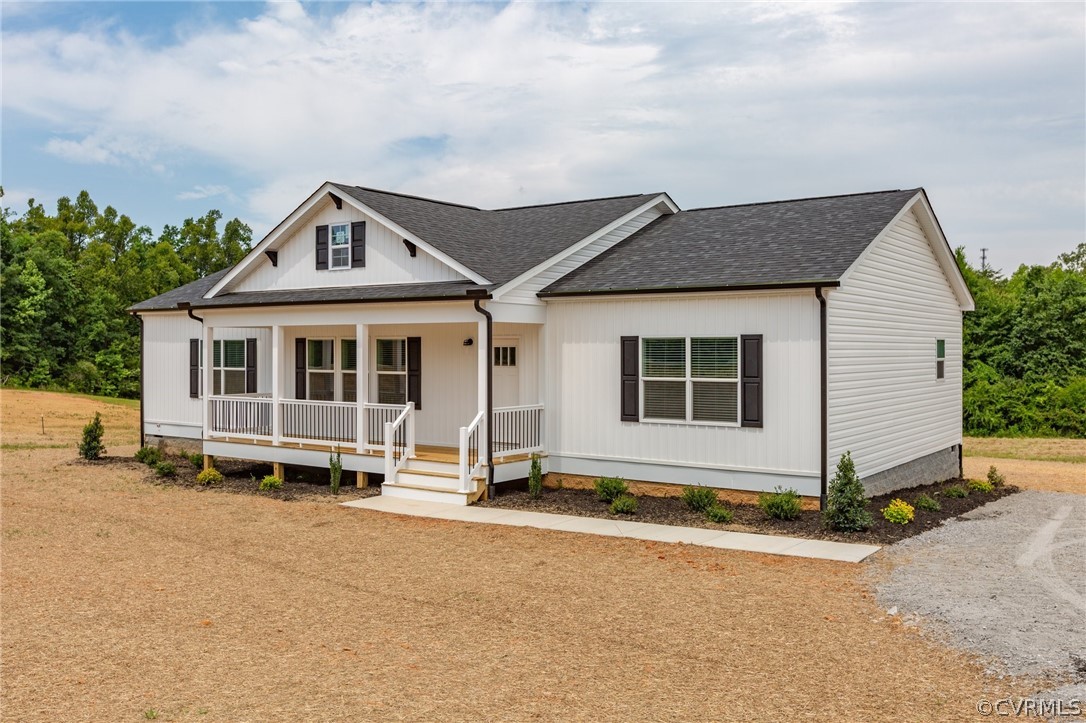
[(1046, 465), (122, 599)]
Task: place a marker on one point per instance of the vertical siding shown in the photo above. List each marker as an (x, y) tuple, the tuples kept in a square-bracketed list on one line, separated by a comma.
[(525, 293), (527, 336), (885, 404), (582, 372), (387, 259)]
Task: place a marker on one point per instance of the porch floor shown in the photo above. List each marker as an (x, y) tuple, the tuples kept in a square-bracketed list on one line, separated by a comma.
[(425, 452)]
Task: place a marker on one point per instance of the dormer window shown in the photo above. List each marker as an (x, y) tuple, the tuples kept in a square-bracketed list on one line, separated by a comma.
[(341, 246)]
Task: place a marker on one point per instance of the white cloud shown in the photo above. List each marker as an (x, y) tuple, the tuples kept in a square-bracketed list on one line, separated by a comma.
[(714, 102), (201, 192)]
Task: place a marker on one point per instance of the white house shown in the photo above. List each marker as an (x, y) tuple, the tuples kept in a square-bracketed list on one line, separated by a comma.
[(438, 345)]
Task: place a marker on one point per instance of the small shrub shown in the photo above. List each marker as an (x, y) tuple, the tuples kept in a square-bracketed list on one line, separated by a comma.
[(195, 459), (609, 488), (624, 505), (165, 469), (270, 483), (780, 504), (980, 485), (150, 456), (924, 502), (535, 477), (995, 478), (846, 506), (899, 512), (719, 513), (699, 499), (335, 471), (955, 491), (209, 476), (91, 446)]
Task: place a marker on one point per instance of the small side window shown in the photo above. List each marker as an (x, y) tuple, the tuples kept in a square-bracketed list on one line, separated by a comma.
[(341, 247), (940, 358)]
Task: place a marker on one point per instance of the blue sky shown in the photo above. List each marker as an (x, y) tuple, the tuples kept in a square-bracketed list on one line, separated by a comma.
[(165, 110)]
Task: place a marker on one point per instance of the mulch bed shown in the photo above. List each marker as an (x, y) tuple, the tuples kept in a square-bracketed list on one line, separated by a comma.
[(751, 518)]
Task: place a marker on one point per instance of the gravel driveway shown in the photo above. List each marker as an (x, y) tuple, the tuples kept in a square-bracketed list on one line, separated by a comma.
[(1007, 583)]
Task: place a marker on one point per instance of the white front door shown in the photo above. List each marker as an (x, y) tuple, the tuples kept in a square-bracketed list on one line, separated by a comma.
[(506, 372)]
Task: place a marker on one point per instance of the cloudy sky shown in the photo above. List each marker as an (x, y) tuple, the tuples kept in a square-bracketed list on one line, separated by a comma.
[(168, 109)]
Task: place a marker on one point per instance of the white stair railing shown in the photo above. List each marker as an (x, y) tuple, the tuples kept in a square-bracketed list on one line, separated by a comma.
[(399, 441), (470, 459)]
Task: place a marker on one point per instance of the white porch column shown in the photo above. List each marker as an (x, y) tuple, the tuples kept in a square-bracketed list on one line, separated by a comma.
[(209, 360), (361, 381), (277, 381), (484, 358)]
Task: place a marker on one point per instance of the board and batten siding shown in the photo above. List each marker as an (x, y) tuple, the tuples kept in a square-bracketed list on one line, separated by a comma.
[(885, 404), (582, 355), (167, 405), (387, 259), (525, 293)]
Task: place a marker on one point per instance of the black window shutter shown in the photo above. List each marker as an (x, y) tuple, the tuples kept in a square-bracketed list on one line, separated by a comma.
[(358, 244), (250, 366), (194, 368), (630, 379), (414, 370), (322, 247), (299, 368), (751, 344)]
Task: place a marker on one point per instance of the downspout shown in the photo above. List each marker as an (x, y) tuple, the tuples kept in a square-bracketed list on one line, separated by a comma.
[(824, 405), (490, 490)]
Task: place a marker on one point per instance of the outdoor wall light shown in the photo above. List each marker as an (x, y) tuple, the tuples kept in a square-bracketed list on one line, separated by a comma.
[(469, 341)]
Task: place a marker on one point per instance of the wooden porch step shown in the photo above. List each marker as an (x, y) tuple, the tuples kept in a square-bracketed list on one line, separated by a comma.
[(428, 473)]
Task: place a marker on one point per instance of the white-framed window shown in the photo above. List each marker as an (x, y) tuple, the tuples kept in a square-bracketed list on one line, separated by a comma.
[(321, 369), (391, 371), (340, 245), (349, 361), (690, 379), (228, 367), (505, 356), (940, 358)]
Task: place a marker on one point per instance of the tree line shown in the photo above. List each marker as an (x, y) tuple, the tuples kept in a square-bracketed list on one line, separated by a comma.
[(66, 279)]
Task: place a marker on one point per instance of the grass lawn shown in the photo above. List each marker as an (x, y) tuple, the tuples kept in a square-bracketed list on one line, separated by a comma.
[(1042, 450)]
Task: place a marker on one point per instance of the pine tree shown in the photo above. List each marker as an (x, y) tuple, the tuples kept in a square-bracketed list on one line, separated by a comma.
[(846, 506)]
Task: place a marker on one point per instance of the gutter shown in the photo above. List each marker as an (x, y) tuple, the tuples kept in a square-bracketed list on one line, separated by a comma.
[(188, 307), (823, 401), (490, 488)]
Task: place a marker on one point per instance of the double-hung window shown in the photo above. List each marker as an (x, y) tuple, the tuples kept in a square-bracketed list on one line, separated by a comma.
[(228, 369), (391, 371), (321, 370), (690, 379), (940, 358), (341, 246), (349, 361)]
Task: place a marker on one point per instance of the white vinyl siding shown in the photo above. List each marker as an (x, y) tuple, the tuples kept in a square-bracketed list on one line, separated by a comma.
[(886, 404), (387, 258)]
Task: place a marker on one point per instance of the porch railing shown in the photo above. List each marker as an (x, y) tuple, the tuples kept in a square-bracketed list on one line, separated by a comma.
[(517, 430), (314, 421), (399, 441), (470, 461), (241, 416), (377, 415)]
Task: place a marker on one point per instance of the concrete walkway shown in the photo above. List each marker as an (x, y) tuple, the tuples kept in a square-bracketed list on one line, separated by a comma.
[(772, 544)]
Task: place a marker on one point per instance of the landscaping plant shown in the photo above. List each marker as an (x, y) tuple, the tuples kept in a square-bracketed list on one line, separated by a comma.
[(624, 504), (335, 470), (924, 502), (899, 512), (780, 504), (195, 459), (270, 483), (91, 447), (608, 488), (995, 478), (535, 477), (955, 491), (699, 499), (846, 506), (209, 476), (980, 485), (165, 469), (719, 513), (150, 456)]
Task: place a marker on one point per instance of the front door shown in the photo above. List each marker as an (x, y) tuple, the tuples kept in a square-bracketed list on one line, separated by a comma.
[(506, 372)]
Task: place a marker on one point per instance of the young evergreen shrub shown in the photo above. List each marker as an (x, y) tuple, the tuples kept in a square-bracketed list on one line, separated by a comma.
[(719, 513), (91, 446), (899, 512), (608, 488), (209, 476), (780, 504), (846, 506), (699, 499), (995, 478), (956, 491), (624, 505), (165, 469), (195, 459), (980, 485), (270, 483), (150, 456), (335, 470), (535, 477), (924, 502)]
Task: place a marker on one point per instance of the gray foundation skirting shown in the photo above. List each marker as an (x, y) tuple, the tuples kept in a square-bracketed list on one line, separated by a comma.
[(936, 467)]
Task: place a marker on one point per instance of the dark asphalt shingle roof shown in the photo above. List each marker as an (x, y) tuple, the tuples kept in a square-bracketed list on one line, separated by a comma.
[(190, 293), (780, 243)]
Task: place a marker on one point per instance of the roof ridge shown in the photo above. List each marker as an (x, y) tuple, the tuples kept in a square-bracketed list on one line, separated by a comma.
[(568, 203), (798, 200), (408, 195)]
